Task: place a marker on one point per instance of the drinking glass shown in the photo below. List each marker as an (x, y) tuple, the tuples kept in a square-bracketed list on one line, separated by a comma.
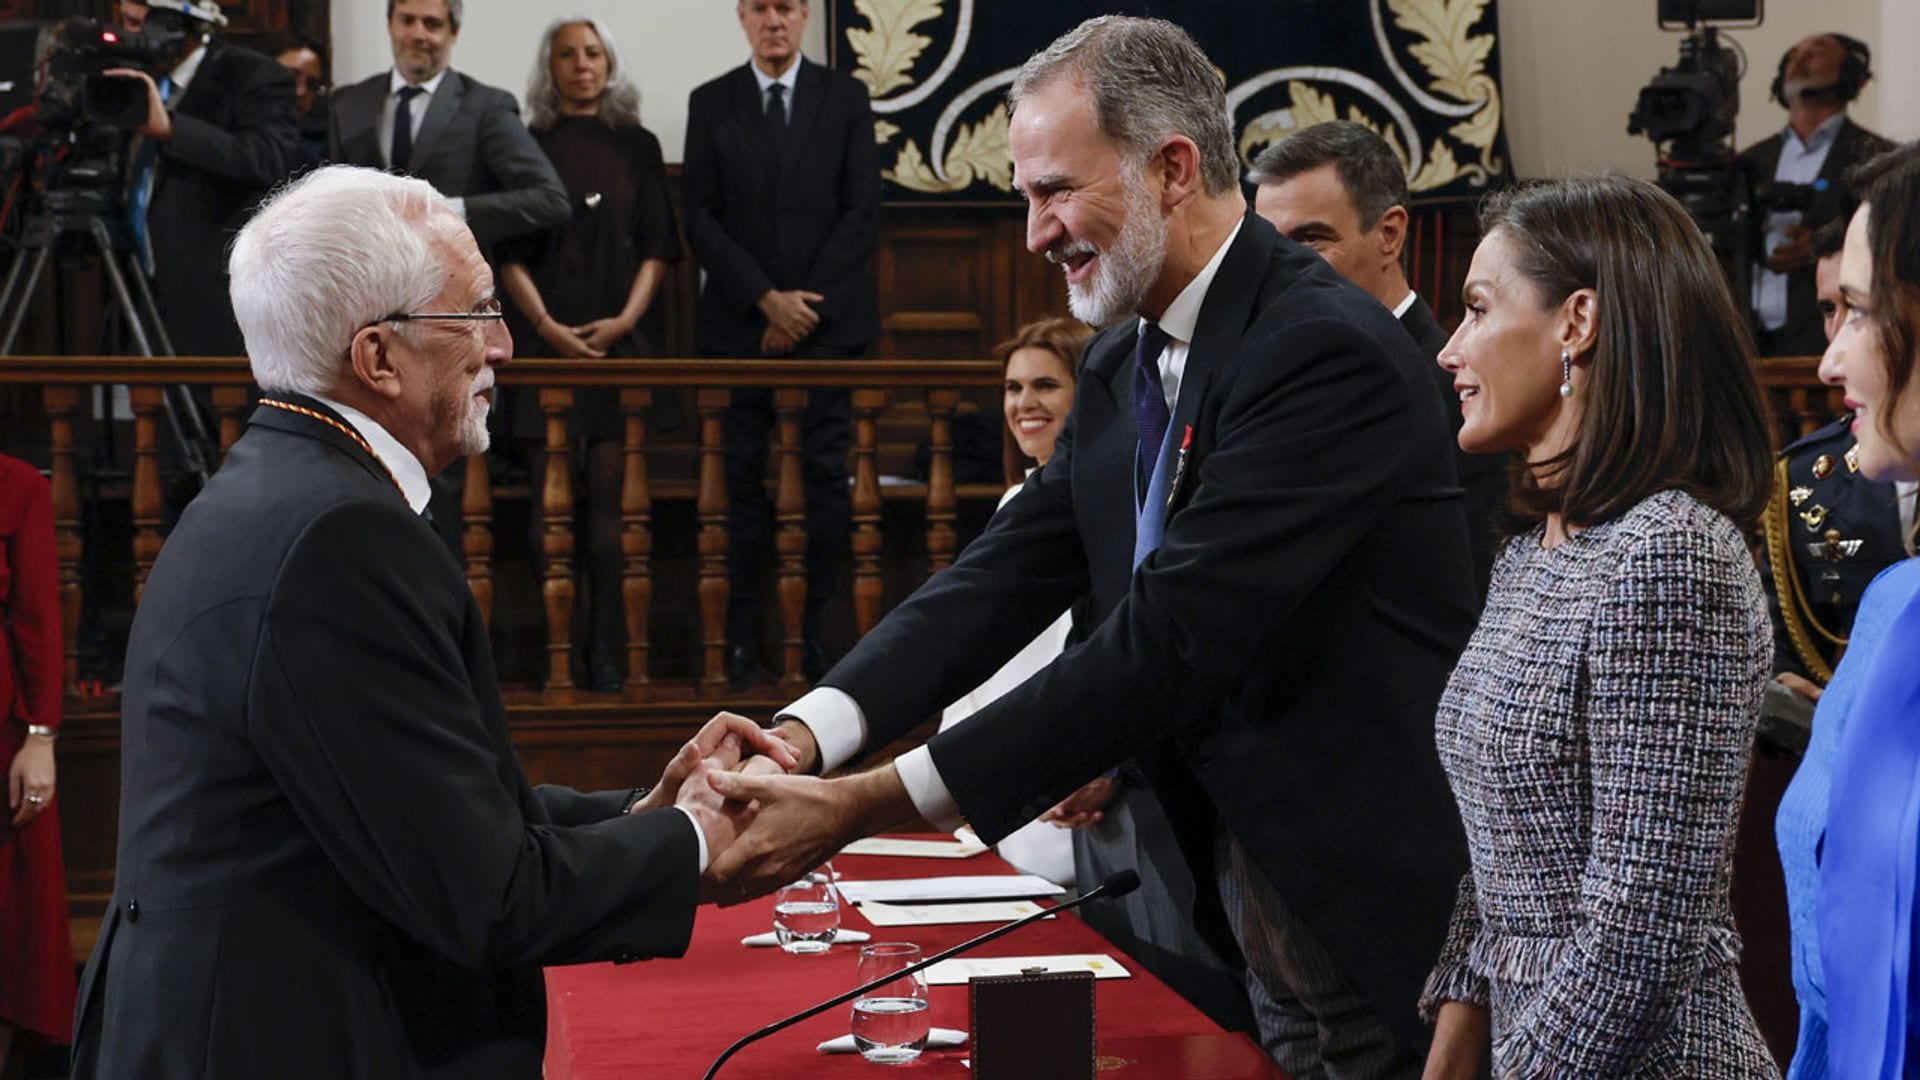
[(806, 914), (890, 1021)]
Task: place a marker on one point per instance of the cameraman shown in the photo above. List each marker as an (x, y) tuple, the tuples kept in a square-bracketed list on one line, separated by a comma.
[(1798, 174), (219, 133)]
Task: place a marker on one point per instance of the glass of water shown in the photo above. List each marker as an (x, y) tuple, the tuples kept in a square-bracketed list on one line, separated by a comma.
[(890, 1021), (806, 914)]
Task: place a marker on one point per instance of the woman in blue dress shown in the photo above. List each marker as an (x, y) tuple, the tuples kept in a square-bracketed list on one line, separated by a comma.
[(1849, 827)]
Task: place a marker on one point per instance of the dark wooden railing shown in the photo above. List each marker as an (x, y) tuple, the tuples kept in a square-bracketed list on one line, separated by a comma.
[(66, 382)]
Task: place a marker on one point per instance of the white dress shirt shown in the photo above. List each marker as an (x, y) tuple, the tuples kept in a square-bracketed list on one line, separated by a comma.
[(412, 478), (839, 725), (1800, 163)]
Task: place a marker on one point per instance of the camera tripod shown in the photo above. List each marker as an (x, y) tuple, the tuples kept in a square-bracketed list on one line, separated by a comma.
[(66, 215)]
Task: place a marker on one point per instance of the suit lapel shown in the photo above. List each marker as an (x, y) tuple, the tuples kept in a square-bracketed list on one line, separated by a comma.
[(357, 120), (810, 91), (747, 122), (441, 108), (1224, 316)]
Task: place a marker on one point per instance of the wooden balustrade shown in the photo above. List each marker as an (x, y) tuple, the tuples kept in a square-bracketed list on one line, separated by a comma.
[(1793, 393), (64, 384), (1797, 402), (636, 540)]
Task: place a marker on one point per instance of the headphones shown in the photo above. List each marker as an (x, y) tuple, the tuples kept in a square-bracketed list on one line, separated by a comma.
[(1855, 70)]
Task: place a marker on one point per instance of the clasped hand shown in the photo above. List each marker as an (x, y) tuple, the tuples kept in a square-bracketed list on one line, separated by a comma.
[(766, 828)]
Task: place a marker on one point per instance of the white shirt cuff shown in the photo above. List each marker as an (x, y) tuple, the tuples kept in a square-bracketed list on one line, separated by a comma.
[(699, 835), (928, 792), (839, 726)]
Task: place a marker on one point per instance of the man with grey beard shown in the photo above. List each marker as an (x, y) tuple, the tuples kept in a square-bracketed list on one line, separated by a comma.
[(1256, 488)]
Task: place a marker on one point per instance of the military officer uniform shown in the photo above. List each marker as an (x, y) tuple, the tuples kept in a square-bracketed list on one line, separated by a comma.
[(1830, 531)]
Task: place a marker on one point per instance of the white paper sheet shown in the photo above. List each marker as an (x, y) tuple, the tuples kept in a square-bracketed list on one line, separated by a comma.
[(993, 911), (961, 887), (922, 849), (961, 969)]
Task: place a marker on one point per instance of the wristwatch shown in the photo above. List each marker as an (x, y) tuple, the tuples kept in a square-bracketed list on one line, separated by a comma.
[(43, 730)]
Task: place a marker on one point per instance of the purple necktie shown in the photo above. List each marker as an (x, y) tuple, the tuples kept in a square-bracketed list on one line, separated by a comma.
[(1150, 412)]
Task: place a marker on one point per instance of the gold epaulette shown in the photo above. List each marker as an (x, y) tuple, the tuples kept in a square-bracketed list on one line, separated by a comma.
[(1795, 611)]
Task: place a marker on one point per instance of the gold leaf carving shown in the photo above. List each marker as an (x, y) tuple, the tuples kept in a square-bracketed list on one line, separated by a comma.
[(1450, 54), (1480, 128), (1440, 169), (884, 131), (1456, 59), (1310, 106), (889, 47), (979, 152)]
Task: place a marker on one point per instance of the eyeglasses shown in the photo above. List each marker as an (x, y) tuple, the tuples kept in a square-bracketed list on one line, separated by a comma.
[(488, 311)]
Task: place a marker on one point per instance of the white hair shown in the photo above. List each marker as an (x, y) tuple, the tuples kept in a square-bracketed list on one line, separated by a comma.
[(325, 257), (619, 99)]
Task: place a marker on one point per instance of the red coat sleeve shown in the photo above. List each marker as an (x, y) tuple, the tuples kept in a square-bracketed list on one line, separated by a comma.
[(31, 606)]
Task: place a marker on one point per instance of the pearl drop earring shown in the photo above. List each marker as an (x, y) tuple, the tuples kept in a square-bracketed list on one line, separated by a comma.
[(1566, 374)]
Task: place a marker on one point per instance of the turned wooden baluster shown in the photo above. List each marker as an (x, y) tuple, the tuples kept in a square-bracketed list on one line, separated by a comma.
[(556, 537), (940, 499), (790, 536), (476, 536), (712, 508), (148, 502), (63, 402), (636, 539), (868, 586), (230, 403)]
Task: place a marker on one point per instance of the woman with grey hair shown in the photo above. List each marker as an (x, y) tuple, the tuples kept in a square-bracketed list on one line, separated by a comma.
[(586, 289)]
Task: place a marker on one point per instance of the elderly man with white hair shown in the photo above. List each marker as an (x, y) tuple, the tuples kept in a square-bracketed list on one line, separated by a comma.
[(331, 863)]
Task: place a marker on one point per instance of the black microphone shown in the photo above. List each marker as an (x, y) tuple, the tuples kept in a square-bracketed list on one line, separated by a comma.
[(1119, 883)]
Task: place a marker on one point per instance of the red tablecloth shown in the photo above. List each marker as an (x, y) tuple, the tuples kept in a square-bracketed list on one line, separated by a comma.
[(671, 1018)]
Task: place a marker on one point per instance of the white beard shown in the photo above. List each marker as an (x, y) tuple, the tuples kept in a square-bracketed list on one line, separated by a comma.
[(474, 436), (1129, 267)]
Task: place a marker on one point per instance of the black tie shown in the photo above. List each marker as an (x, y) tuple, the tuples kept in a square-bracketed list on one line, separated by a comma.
[(777, 108), (402, 155)]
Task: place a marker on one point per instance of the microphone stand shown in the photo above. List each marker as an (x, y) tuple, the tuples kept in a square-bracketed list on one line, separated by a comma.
[(1120, 883)]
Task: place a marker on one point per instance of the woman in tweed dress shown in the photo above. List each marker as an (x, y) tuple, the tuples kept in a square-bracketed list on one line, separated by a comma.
[(1596, 729)]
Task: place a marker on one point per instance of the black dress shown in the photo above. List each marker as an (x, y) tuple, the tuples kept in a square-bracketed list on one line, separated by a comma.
[(616, 181)]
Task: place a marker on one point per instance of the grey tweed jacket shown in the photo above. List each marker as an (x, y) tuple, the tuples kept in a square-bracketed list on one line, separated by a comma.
[(1596, 734)]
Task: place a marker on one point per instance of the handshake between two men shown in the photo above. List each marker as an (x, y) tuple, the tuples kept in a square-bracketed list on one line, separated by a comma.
[(766, 821)]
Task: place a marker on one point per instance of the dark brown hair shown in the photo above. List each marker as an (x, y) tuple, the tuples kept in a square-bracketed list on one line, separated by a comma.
[(1064, 338), (1669, 398), (1890, 185)]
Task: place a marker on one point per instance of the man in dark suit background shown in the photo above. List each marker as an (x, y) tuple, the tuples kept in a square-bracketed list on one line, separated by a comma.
[(1338, 188), (462, 136), (782, 189), (1799, 177), (1255, 490), (219, 134), (331, 863)]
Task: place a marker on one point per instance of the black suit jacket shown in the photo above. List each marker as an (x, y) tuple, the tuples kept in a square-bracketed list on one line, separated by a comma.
[(471, 146), (1277, 661), (1484, 476), (331, 863), (1803, 334), (796, 213), (234, 130)]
